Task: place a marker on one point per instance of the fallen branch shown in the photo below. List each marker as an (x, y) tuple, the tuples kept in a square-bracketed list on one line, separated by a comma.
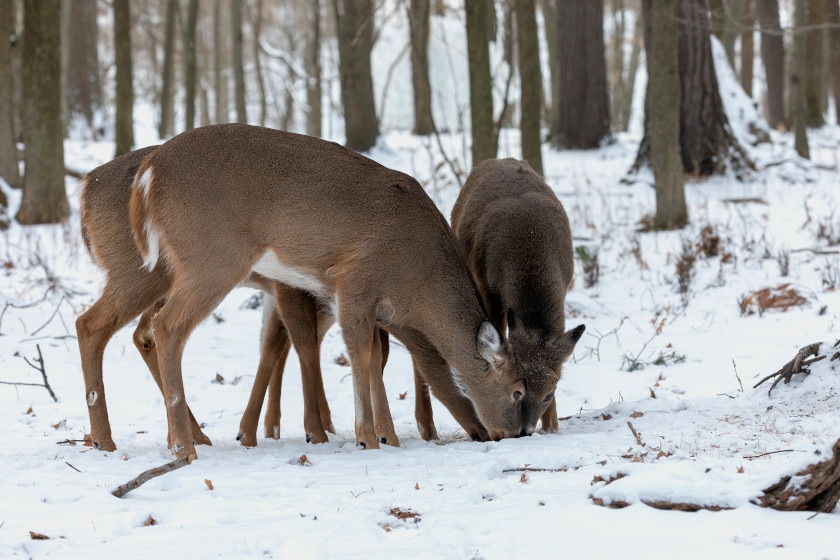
[(40, 367), (799, 364), (148, 475)]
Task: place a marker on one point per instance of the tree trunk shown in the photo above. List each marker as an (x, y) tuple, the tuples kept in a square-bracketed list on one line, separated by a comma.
[(833, 16), (615, 64), (220, 62), (9, 168), (312, 64), (481, 96), (706, 141), (814, 91), (747, 48), (238, 64), (663, 95), (733, 14), (773, 59), (166, 127), (190, 64), (797, 90), (549, 10), (83, 93), (584, 114), (707, 145), (418, 15), (256, 27), (125, 88), (354, 20), (44, 193), (530, 80)]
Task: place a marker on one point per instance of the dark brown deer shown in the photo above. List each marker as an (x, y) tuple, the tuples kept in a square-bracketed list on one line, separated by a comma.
[(131, 288), (518, 245), (219, 202)]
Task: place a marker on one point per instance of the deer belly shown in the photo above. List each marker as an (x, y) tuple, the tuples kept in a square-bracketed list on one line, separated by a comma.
[(271, 267)]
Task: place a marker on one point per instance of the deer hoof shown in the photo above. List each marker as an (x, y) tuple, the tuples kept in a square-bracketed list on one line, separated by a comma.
[(106, 444)]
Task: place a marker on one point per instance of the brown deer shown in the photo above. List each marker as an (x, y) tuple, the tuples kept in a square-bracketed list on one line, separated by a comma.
[(518, 245), (130, 289), (219, 202)]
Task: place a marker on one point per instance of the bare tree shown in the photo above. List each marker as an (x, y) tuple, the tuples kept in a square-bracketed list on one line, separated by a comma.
[(190, 64), (773, 59), (166, 127), (813, 86), (220, 61), (662, 105), (707, 144), (238, 64), (44, 194), (584, 114), (312, 64), (622, 80), (255, 18), (80, 68), (530, 80), (9, 169), (418, 16), (833, 16), (125, 87), (549, 11), (799, 110), (747, 48), (481, 95), (354, 19)]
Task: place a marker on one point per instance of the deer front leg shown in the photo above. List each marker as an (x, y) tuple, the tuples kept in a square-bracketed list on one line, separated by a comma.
[(549, 418), (423, 408)]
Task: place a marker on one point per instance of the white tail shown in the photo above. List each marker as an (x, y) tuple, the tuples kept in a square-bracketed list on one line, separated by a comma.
[(361, 238), (517, 242)]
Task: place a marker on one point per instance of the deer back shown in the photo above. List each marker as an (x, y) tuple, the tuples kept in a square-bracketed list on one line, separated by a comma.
[(516, 239)]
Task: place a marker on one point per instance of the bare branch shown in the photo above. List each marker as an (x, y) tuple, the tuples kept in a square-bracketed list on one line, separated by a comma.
[(40, 367), (148, 475)]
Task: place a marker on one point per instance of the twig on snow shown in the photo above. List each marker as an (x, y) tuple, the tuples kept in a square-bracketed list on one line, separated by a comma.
[(148, 475)]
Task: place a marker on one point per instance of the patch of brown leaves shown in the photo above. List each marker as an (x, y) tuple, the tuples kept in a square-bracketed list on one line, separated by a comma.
[(780, 298)]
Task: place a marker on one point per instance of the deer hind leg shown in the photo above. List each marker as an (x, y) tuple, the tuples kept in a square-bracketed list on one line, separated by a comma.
[(191, 300), (325, 321), (423, 408), (549, 418), (94, 328), (358, 328), (144, 340), (299, 313), (382, 420)]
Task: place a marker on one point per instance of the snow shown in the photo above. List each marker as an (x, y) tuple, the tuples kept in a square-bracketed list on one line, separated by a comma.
[(707, 436)]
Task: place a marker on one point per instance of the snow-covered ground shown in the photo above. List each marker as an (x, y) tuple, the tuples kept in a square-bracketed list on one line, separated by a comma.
[(675, 368)]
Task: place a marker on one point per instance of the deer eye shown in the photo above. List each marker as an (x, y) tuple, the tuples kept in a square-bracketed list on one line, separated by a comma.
[(548, 398), (517, 395)]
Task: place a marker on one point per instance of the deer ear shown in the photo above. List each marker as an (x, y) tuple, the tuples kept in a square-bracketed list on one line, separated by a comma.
[(566, 342), (489, 342)]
